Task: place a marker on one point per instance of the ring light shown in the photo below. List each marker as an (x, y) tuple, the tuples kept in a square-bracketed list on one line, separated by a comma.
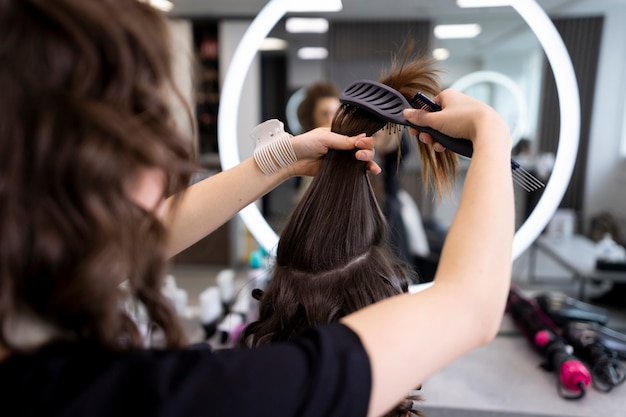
[(291, 111), (569, 106), (491, 77)]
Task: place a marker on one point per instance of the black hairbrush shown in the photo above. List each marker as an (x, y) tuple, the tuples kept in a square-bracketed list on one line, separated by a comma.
[(385, 102)]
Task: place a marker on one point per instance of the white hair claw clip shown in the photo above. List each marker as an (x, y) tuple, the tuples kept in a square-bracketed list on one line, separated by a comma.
[(273, 149)]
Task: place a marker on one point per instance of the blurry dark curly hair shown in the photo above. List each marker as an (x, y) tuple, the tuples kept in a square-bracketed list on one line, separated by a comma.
[(315, 92), (84, 109)]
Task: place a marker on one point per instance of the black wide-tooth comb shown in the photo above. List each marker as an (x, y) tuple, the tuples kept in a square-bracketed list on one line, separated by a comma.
[(387, 103)]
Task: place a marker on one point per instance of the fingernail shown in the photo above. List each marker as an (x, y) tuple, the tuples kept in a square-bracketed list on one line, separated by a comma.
[(409, 112)]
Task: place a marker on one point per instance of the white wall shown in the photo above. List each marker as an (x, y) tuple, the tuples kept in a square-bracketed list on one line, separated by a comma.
[(182, 67), (606, 167), (249, 115), (230, 33)]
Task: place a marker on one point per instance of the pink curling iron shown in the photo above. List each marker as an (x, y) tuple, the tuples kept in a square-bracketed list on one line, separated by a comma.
[(573, 376)]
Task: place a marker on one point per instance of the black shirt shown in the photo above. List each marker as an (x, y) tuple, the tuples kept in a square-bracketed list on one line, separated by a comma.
[(326, 372)]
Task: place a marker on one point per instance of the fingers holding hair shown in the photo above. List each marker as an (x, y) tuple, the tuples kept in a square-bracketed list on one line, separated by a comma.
[(428, 139), (310, 147), (460, 116)]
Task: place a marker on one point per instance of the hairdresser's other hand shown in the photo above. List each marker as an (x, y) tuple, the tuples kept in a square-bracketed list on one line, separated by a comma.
[(461, 117), (310, 148)]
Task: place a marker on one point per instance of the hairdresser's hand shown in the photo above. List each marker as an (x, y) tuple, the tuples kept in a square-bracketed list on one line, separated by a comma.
[(311, 147), (461, 117)]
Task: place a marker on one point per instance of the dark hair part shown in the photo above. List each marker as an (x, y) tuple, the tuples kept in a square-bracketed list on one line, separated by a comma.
[(314, 93), (84, 110)]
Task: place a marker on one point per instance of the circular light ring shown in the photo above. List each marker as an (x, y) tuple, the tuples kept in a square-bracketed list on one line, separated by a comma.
[(291, 110), (569, 109), (229, 109), (491, 77), (569, 106)]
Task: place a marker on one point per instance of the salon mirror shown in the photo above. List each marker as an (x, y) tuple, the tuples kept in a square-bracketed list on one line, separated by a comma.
[(506, 48)]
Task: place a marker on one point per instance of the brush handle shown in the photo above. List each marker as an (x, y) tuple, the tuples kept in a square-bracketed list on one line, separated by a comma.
[(461, 146)]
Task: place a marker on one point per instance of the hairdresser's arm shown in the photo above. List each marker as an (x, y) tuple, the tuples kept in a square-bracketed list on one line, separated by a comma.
[(208, 204), (410, 337)]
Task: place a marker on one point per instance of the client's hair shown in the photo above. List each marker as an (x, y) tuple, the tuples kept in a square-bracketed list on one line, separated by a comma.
[(332, 257), (438, 168)]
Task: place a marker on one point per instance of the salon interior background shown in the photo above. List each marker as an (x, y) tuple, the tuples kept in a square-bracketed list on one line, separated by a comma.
[(360, 39)]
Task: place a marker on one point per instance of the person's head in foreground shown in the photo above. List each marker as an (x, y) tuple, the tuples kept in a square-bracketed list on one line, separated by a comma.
[(88, 151)]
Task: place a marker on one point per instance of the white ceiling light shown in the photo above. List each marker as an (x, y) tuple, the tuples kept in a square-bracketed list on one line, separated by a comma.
[(315, 6), (482, 3), (441, 54), (306, 25), (163, 5), (273, 44), (313, 52), (464, 31)]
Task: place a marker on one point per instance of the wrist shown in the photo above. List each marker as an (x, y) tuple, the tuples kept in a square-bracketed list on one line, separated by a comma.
[(491, 131)]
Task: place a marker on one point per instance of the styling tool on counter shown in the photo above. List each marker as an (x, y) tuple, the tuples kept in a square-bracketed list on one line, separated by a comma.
[(603, 348), (386, 103), (582, 327), (573, 377), (562, 309)]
